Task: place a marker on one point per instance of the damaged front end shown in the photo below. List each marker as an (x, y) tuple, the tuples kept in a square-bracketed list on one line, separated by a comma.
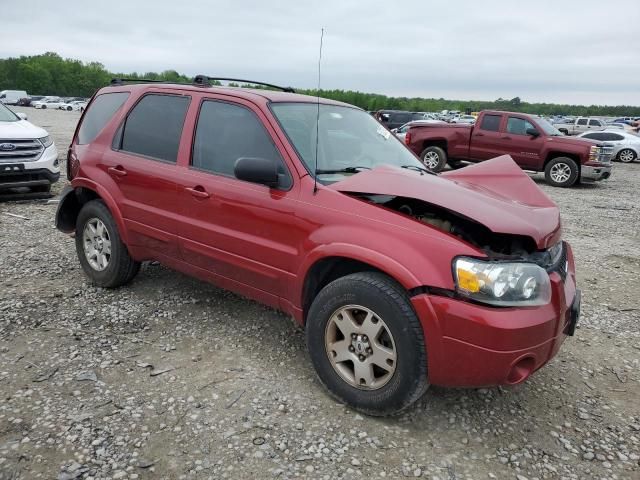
[(493, 206)]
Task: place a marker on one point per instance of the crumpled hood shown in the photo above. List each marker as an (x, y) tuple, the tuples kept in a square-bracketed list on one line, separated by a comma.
[(20, 130), (495, 193)]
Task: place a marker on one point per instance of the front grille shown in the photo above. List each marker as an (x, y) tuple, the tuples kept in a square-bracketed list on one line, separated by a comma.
[(20, 150)]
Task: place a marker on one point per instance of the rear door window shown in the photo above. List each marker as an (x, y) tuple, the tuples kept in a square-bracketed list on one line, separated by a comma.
[(582, 121), (595, 123), (491, 123), (595, 136), (102, 109), (154, 126)]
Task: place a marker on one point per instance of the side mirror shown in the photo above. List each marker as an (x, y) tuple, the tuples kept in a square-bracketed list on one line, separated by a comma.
[(257, 170), (22, 116), (533, 132)]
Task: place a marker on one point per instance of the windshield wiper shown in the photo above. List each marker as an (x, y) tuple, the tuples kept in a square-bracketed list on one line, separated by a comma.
[(342, 170), (417, 169)]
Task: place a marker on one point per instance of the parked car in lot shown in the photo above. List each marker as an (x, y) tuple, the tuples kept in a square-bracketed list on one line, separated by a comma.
[(402, 131), (12, 97), (468, 119), (48, 102), (28, 156), (580, 125), (532, 142), (401, 278), (626, 146), (78, 105)]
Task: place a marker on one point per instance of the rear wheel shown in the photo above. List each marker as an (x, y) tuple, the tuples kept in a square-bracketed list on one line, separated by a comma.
[(44, 106), (434, 158), (69, 109), (103, 256), (561, 172), (627, 155), (367, 344)]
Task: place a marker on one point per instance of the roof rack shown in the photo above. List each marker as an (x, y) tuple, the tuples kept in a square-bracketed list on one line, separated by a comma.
[(122, 81), (205, 81)]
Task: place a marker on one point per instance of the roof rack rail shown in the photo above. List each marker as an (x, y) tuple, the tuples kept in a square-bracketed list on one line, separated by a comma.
[(205, 81), (122, 81)]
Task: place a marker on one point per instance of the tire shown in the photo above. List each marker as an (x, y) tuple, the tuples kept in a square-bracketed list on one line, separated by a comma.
[(44, 107), (455, 164), (69, 109), (393, 313), (562, 130), (120, 268), (627, 155), (561, 172), (434, 158)]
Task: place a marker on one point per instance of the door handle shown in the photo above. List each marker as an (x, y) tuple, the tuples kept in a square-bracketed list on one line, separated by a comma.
[(198, 191), (506, 138), (479, 134), (117, 171)]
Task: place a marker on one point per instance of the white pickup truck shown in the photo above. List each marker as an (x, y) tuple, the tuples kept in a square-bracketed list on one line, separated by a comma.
[(581, 125)]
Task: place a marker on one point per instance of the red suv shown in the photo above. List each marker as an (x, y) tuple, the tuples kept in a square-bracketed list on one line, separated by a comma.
[(402, 278)]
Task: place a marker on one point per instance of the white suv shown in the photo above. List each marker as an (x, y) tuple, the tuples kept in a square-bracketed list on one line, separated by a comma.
[(28, 156)]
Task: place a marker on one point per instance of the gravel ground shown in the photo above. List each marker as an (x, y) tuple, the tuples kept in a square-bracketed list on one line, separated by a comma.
[(173, 378)]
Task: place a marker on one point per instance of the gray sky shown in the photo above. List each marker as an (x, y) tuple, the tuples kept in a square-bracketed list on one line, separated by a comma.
[(568, 51)]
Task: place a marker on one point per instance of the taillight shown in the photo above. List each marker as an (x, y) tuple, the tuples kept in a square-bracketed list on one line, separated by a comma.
[(72, 164), (407, 138)]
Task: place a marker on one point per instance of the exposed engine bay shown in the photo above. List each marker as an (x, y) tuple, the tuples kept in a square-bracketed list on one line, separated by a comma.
[(495, 245)]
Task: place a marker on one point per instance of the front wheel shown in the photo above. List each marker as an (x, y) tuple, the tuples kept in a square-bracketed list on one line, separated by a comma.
[(627, 155), (69, 109), (561, 172), (103, 256), (44, 107), (434, 158), (367, 345)]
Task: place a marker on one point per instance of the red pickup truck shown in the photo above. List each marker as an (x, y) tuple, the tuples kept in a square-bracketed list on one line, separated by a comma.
[(532, 142)]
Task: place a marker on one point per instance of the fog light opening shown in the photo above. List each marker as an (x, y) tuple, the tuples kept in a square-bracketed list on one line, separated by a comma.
[(521, 370)]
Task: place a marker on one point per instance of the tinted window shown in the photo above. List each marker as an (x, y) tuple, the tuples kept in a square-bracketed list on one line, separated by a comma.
[(400, 117), (154, 126), (491, 122), (227, 132), (518, 126), (99, 113), (595, 136), (595, 122), (615, 137), (582, 121)]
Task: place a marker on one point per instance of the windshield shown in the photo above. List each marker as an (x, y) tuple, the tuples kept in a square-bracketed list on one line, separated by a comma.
[(547, 127), (7, 115), (349, 140)]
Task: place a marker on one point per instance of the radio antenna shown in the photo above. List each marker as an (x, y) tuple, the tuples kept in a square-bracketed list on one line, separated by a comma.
[(315, 168)]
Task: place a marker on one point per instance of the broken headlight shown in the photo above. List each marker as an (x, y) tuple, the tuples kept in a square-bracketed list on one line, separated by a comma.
[(505, 284)]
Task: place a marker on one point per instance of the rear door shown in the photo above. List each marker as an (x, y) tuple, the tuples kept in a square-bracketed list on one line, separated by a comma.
[(486, 141), (581, 125), (142, 162), (239, 231), (523, 148), (595, 124)]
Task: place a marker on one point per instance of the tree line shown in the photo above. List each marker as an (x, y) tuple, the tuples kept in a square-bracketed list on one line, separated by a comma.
[(50, 74)]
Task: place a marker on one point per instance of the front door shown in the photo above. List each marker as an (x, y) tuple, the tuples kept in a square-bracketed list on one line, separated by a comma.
[(243, 232), (523, 147)]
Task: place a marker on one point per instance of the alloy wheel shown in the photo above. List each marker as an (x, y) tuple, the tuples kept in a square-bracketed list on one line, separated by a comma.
[(431, 160), (97, 244), (627, 155), (360, 347), (560, 172)]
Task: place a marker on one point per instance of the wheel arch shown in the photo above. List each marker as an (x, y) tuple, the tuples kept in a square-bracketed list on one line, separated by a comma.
[(557, 154), (323, 267), (436, 142), (73, 199)]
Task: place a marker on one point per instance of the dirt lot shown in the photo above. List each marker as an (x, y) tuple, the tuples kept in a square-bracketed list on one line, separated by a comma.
[(84, 394)]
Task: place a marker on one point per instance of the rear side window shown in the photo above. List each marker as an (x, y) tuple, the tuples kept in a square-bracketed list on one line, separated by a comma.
[(595, 136), (227, 132), (491, 123), (154, 127), (100, 112)]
